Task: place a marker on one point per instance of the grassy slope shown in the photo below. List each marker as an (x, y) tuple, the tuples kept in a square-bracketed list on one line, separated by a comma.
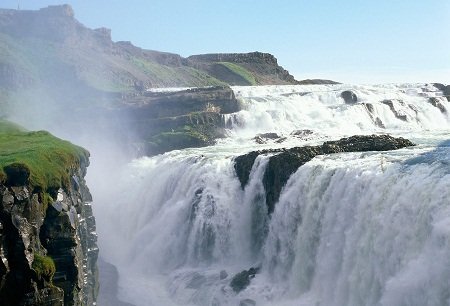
[(241, 71), (47, 157)]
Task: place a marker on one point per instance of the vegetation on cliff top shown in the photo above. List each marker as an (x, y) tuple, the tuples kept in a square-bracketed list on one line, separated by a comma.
[(38, 159)]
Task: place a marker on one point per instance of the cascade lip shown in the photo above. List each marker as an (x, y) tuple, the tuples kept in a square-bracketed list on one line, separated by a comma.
[(286, 161)]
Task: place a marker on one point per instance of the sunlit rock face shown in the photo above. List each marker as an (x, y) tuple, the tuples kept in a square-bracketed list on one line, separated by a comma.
[(33, 227)]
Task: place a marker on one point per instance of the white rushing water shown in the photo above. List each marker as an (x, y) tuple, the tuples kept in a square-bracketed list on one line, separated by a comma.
[(368, 228)]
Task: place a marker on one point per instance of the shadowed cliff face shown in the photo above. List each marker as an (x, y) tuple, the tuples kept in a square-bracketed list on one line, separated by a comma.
[(64, 232), (48, 243)]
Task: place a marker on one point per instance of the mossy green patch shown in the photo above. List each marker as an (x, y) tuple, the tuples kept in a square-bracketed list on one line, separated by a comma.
[(241, 71), (168, 141), (37, 159), (44, 266)]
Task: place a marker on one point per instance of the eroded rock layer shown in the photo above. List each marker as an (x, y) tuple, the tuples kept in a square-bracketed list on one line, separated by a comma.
[(48, 246)]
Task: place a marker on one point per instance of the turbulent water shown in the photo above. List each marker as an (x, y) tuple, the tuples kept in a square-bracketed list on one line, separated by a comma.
[(357, 229)]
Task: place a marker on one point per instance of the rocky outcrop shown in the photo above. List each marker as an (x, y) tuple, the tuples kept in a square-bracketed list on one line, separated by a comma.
[(254, 68), (436, 102), (264, 137), (48, 248), (152, 105), (316, 82), (444, 88), (158, 122), (349, 97), (397, 113), (241, 280), (285, 162)]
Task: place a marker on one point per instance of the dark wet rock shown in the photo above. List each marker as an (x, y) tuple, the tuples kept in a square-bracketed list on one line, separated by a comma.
[(264, 137), (286, 161), (437, 103), (34, 238), (369, 107), (444, 88), (396, 113), (243, 165), (241, 280), (349, 97), (413, 108), (439, 86), (302, 133), (281, 139), (269, 135), (259, 140), (379, 123), (371, 111)]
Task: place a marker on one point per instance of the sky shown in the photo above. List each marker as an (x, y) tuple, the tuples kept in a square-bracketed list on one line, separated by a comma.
[(351, 41)]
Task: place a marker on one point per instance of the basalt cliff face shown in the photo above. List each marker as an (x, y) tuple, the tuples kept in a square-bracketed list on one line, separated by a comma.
[(48, 241)]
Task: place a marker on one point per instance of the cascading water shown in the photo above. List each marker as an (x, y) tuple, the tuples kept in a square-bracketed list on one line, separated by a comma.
[(367, 228)]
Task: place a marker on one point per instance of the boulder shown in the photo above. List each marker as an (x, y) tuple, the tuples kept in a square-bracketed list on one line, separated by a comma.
[(241, 280), (264, 137), (349, 97), (302, 133)]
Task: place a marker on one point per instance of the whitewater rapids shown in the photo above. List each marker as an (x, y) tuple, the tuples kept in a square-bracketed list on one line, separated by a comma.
[(368, 228)]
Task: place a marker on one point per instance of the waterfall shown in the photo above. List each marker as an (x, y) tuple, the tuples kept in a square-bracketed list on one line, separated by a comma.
[(360, 235), (368, 228)]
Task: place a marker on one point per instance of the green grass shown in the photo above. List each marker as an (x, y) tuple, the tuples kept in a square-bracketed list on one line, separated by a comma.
[(174, 76), (44, 267), (38, 159), (241, 71)]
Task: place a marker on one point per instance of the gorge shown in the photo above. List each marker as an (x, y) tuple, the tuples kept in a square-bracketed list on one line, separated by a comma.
[(216, 179), (357, 228)]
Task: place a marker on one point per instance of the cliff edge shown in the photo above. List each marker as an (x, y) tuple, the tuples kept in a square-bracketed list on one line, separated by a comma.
[(48, 249)]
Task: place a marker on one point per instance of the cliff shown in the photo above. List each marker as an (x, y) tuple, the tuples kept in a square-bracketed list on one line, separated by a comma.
[(51, 47), (48, 249), (253, 68), (84, 79), (285, 162)]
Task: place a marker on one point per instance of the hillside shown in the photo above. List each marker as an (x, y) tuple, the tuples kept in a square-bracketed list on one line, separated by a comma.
[(58, 74), (50, 47)]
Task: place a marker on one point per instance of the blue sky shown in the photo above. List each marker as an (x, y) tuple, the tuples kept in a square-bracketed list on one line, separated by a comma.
[(354, 41)]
